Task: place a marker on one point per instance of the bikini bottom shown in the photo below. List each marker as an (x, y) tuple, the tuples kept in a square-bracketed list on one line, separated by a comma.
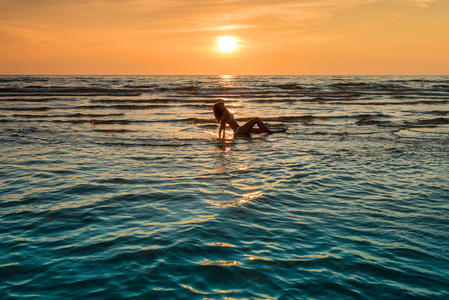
[(237, 130)]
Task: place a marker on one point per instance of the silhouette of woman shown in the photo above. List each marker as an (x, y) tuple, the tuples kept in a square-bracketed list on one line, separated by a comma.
[(223, 116)]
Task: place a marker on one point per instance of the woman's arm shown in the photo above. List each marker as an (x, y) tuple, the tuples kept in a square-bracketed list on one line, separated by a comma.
[(222, 128)]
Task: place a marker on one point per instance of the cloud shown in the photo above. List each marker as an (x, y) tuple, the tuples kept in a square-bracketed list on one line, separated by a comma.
[(205, 29), (192, 15), (422, 3), (49, 20), (235, 15)]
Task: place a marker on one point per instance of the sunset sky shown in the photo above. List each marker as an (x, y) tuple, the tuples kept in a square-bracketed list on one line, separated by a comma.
[(180, 37)]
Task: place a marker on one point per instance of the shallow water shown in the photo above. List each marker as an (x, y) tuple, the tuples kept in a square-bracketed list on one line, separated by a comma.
[(117, 187)]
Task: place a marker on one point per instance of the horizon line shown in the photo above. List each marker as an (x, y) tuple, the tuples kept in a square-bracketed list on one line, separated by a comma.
[(224, 74)]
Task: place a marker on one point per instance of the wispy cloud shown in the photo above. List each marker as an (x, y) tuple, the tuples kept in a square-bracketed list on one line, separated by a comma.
[(180, 15), (39, 20)]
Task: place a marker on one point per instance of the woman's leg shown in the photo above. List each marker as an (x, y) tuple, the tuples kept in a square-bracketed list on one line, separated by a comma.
[(248, 127)]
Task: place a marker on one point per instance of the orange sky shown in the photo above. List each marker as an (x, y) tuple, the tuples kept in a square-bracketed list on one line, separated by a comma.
[(179, 37)]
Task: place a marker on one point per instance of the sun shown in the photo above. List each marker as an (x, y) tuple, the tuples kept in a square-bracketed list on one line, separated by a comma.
[(227, 44)]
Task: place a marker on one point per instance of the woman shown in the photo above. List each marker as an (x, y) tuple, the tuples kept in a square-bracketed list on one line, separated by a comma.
[(223, 116)]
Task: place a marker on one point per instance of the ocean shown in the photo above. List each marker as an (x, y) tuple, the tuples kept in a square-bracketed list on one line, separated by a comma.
[(117, 187)]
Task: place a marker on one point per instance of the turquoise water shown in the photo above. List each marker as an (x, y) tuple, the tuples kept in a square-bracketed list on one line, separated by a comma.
[(117, 187)]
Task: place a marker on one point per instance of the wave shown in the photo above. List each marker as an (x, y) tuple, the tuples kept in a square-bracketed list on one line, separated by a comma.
[(120, 107), (170, 100), (18, 100), (149, 104), (431, 122), (351, 84), (345, 89), (101, 122), (289, 87), (359, 119), (42, 108), (77, 115), (173, 143), (67, 91), (114, 130)]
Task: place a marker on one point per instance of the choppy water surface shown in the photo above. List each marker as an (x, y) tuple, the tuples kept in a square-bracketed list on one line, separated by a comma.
[(117, 187)]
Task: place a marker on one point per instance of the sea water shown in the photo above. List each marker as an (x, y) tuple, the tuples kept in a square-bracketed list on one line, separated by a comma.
[(117, 187)]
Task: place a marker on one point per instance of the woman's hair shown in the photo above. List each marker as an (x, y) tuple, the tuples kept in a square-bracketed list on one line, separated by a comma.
[(219, 109)]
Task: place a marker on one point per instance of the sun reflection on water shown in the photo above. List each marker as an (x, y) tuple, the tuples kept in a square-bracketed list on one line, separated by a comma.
[(234, 177), (222, 263), (227, 81), (246, 198), (251, 196)]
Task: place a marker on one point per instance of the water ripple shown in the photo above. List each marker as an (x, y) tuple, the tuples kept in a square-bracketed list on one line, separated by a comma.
[(131, 202)]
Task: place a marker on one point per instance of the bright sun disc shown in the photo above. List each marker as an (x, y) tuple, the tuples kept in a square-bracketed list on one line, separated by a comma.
[(227, 43)]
